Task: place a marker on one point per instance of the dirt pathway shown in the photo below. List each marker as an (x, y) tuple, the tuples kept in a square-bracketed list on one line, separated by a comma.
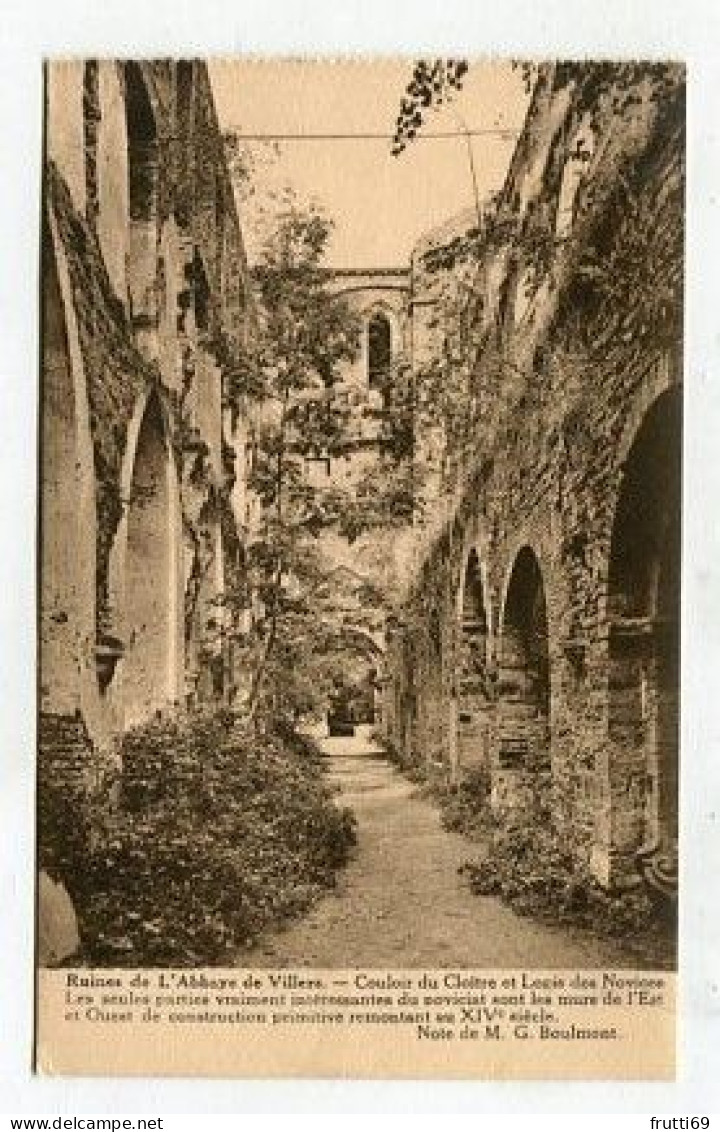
[(401, 901)]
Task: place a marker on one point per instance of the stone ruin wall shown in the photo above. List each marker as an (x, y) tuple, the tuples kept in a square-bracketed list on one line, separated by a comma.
[(568, 697), (146, 309)]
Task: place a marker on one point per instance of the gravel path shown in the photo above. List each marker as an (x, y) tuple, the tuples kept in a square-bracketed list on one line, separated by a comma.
[(401, 901)]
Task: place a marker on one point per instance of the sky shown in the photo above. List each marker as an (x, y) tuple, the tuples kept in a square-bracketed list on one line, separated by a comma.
[(381, 204)]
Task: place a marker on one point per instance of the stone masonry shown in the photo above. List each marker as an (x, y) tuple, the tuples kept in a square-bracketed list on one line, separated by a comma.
[(146, 310), (538, 645), (536, 641)]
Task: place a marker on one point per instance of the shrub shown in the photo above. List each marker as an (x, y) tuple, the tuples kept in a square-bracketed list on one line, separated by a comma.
[(465, 806), (411, 764), (529, 865), (64, 755), (218, 834), (74, 794)]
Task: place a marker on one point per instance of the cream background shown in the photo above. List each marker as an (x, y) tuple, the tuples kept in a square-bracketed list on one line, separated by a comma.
[(382, 204), (645, 1047)]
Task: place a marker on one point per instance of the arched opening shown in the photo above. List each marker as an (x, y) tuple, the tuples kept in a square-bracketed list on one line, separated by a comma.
[(379, 350), (150, 666), (201, 294), (67, 532), (644, 613), (474, 685), (524, 677), (142, 145), (355, 662), (577, 163), (142, 198)]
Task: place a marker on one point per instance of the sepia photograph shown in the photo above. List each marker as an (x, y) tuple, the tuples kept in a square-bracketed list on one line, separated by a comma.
[(360, 515)]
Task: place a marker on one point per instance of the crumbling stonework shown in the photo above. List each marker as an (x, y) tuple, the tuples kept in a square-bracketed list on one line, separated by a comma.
[(146, 312), (541, 627), (535, 644)]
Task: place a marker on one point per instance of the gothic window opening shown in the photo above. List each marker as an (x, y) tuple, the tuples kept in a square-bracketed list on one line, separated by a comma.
[(201, 294), (379, 347)]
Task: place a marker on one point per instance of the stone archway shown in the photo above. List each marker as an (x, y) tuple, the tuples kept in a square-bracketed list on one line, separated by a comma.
[(142, 189), (153, 658), (357, 656), (523, 749), (67, 502), (474, 685), (644, 621)]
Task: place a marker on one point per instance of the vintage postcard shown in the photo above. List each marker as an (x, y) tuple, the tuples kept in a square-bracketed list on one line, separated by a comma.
[(360, 505)]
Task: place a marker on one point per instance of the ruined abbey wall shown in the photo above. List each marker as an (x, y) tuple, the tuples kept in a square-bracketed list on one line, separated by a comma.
[(539, 644), (146, 309)]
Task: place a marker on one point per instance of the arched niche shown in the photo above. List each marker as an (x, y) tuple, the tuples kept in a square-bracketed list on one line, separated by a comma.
[(142, 145), (67, 505), (524, 671), (142, 164), (575, 170), (473, 676), (644, 615), (153, 652)]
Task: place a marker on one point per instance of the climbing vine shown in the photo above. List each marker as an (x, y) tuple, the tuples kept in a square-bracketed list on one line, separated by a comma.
[(433, 83), (512, 287)]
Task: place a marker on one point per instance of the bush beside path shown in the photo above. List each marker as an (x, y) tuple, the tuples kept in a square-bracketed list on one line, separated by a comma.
[(215, 834)]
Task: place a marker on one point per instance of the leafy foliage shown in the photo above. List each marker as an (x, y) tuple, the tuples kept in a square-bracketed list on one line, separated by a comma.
[(433, 82), (217, 834), (306, 335), (504, 289), (246, 164), (530, 865), (73, 795), (464, 807), (386, 495)]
